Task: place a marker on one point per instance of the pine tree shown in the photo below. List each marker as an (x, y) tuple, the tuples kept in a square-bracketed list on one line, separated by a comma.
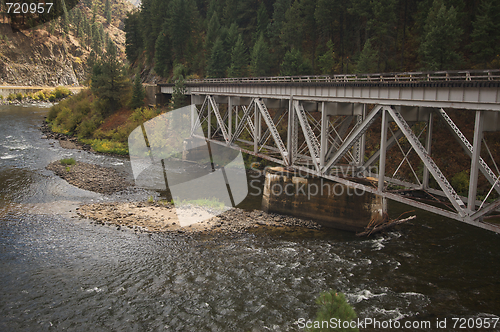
[(333, 305), (381, 29), (486, 35), (179, 95), (88, 30), (294, 64), (96, 39), (217, 62), (239, 59), (133, 36), (163, 54), (180, 27), (138, 93), (65, 18), (109, 82), (107, 11), (442, 34), (328, 62), (259, 64), (367, 62), (262, 20), (212, 32)]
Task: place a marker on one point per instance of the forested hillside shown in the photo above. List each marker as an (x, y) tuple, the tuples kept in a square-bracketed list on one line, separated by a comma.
[(219, 38)]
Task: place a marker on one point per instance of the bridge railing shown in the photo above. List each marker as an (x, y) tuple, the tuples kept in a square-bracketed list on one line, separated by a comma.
[(406, 77)]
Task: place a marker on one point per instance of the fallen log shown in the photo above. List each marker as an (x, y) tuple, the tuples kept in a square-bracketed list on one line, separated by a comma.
[(386, 225)]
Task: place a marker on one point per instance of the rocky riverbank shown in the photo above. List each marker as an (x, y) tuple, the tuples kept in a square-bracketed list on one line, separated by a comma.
[(95, 178), (163, 217), (155, 216), (66, 141), (27, 102)]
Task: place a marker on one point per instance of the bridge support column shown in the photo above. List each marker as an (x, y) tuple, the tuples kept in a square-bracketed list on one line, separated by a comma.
[(428, 143), (230, 117), (359, 147), (292, 133), (478, 138), (383, 148), (209, 120), (324, 135), (236, 114), (255, 129)]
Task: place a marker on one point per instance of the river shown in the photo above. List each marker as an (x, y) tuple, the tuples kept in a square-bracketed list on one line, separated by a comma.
[(61, 272)]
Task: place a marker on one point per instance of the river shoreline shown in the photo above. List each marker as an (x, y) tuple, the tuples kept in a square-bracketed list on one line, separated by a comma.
[(162, 217), (153, 216)]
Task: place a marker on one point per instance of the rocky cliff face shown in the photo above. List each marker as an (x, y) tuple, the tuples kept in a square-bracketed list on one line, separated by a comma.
[(36, 58)]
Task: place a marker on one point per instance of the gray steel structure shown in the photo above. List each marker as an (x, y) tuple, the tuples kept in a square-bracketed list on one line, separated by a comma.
[(326, 118)]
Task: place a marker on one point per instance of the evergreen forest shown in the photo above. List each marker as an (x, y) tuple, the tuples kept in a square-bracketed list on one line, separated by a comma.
[(236, 38)]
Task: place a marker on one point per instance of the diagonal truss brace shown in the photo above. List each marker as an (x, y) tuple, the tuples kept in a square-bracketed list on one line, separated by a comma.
[(272, 128), (428, 162), (390, 142), (353, 138), (311, 140), (464, 142), (267, 133), (339, 135), (242, 123), (221, 123)]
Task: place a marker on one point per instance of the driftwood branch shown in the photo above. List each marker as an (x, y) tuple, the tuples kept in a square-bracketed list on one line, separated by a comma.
[(384, 226)]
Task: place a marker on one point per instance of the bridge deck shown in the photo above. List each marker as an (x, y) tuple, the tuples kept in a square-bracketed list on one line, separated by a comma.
[(473, 90)]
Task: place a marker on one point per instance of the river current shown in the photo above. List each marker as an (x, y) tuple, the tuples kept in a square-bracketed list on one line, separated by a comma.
[(60, 272)]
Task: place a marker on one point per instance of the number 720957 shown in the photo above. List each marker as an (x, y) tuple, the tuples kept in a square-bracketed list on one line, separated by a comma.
[(25, 8)]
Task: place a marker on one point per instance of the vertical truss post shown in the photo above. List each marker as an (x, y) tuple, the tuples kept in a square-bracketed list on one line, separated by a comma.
[(324, 134), (255, 128), (236, 113), (359, 146), (474, 168), (363, 140), (209, 119), (292, 133), (383, 147), (428, 144), (193, 107), (259, 122), (230, 118)]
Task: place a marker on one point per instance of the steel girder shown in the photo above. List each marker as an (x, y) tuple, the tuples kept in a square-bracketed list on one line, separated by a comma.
[(468, 148), (353, 138), (298, 116), (429, 163), (311, 139)]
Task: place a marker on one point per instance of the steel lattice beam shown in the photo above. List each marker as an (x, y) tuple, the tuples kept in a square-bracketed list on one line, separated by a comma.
[(353, 138), (465, 144), (272, 128), (429, 163), (312, 141)]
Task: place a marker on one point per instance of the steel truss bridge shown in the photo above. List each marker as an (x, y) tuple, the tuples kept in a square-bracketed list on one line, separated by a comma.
[(318, 125)]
